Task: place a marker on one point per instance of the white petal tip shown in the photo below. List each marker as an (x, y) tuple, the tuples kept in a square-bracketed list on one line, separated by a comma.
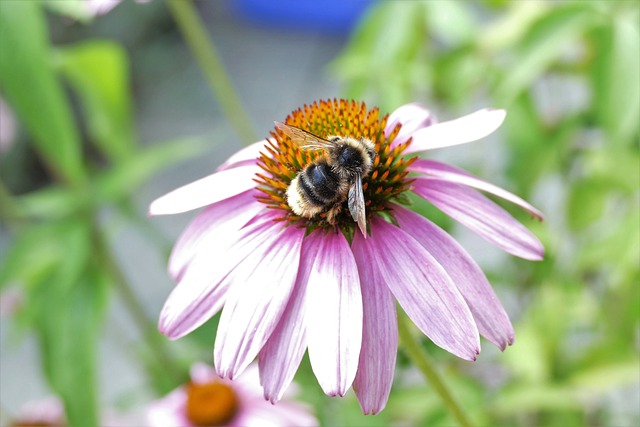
[(152, 211), (499, 113), (168, 332), (160, 207), (536, 255)]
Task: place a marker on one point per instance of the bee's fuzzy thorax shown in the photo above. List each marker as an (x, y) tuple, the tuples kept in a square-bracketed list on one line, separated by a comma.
[(361, 148)]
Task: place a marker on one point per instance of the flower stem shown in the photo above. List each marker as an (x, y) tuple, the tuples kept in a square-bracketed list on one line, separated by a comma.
[(202, 47), (420, 358)]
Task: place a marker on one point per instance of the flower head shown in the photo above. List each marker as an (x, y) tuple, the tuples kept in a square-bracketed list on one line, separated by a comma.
[(208, 400), (290, 282)]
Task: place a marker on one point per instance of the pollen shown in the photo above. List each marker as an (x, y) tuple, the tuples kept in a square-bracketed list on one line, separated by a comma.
[(283, 159), (211, 404)]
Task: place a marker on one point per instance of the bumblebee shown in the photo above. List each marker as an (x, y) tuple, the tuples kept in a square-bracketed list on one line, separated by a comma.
[(332, 178)]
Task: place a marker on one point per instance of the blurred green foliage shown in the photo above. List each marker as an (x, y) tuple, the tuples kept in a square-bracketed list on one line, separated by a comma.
[(60, 254), (568, 73)]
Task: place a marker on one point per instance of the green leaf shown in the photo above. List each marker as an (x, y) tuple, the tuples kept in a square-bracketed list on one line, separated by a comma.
[(68, 328), (99, 72), (122, 179), (31, 257), (66, 309), (30, 85), (547, 39), (382, 55), (615, 77), (52, 203)]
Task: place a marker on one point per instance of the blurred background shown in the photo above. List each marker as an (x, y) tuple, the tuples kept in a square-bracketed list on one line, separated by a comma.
[(105, 105)]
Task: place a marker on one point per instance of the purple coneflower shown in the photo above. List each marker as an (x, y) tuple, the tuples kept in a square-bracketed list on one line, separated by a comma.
[(289, 283), (208, 400)]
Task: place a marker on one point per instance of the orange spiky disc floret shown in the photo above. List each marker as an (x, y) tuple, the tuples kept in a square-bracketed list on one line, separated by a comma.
[(284, 160)]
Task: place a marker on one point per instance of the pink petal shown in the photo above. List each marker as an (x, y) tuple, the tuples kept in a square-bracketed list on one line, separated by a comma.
[(256, 411), (448, 173), (246, 156), (422, 287), (262, 285), (379, 334), (334, 314), (482, 216), (264, 414), (280, 357), (493, 322), (205, 191), (412, 117), (202, 373), (201, 292), (459, 131), (169, 411), (218, 223)]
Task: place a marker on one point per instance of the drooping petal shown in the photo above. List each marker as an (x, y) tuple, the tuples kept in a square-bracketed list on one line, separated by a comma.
[(422, 287), (245, 156), (217, 224), (412, 117), (482, 216), (334, 313), (459, 131), (444, 172), (201, 292), (262, 285), (493, 322), (379, 333), (205, 191), (280, 357)]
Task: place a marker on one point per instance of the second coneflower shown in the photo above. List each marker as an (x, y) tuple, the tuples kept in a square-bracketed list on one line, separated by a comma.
[(328, 281)]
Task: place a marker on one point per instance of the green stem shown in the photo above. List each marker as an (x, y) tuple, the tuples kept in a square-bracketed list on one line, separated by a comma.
[(202, 47), (148, 329), (420, 358)]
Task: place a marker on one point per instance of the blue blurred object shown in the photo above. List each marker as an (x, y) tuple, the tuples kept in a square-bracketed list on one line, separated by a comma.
[(309, 15)]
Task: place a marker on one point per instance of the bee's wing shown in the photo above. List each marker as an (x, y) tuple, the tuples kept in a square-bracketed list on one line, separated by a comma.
[(302, 138), (355, 201)]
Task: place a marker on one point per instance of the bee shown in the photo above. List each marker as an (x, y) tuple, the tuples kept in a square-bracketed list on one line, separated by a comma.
[(331, 178)]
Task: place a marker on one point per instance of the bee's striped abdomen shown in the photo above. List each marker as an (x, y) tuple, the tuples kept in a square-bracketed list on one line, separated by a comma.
[(319, 184)]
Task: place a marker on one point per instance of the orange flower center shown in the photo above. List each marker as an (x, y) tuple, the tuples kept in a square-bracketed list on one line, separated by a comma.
[(286, 159), (211, 404)]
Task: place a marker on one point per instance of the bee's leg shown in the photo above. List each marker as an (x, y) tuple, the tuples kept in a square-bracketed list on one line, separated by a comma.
[(333, 213)]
